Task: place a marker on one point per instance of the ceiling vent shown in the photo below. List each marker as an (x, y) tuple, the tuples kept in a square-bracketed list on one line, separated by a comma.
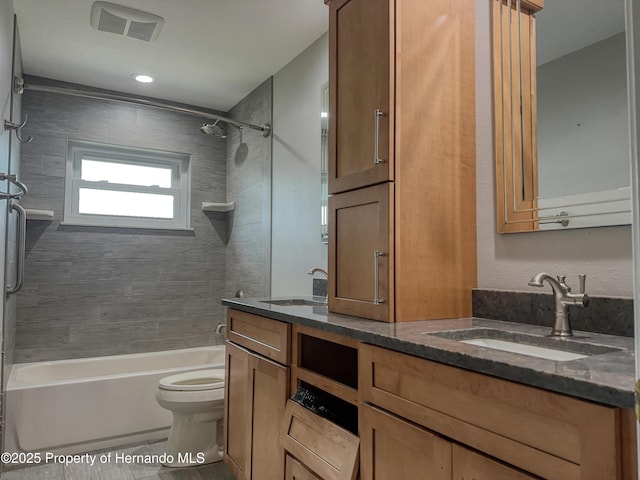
[(121, 20)]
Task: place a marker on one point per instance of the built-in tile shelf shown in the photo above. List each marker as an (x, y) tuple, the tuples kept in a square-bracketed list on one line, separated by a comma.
[(45, 215), (218, 207)]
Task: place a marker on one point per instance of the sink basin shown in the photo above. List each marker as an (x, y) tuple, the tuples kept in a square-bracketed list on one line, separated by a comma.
[(557, 349), (524, 349), (295, 302)]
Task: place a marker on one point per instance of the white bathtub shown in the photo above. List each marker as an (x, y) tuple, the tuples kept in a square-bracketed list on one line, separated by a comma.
[(74, 406)]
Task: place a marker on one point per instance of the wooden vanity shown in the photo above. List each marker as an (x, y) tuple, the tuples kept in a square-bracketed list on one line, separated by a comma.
[(416, 418)]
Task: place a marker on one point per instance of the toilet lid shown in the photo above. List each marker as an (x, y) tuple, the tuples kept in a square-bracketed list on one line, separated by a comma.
[(193, 381)]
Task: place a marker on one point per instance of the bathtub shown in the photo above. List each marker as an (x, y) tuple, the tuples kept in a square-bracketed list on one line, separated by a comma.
[(74, 406)]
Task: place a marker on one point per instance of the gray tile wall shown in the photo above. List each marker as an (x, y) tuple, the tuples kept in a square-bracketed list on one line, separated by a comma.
[(248, 263), (91, 291)]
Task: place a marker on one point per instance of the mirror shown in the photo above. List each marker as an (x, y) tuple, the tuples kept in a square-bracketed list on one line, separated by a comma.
[(324, 163), (561, 114)]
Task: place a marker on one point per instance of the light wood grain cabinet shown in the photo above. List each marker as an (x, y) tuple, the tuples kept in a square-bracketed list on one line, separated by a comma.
[(360, 257), (394, 448), (518, 432), (236, 424), (469, 465), (360, 94), (324, 448), (411, 62), (256, 396), (294, 470)]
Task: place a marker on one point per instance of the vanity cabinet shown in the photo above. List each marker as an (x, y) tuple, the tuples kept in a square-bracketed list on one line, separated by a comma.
[(401, 159), (257, 389), (395, 448), (515, 431)]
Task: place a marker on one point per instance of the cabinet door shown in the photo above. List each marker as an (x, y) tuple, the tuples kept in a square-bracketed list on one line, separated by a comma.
[(393, 448), (296, 471), (268, 391), (256, 395), (360, 83), (360, 280), (468, 465), (237, 431)]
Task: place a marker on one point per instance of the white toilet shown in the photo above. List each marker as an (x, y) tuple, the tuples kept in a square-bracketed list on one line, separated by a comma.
[(196, 400)]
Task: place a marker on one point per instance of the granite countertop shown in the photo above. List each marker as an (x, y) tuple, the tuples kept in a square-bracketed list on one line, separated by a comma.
[(606, 378)]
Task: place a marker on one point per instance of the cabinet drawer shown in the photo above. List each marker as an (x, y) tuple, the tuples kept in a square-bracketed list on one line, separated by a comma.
[(265, 336), (328, 450), (548, 434)]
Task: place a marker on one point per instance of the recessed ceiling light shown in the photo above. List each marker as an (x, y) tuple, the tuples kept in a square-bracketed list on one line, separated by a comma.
[(143, 78)]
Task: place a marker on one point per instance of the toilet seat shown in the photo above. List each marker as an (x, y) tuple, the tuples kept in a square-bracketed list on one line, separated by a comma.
[(194, 381)]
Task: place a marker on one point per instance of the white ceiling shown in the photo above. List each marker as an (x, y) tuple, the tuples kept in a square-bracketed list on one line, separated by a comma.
[(210, 53)]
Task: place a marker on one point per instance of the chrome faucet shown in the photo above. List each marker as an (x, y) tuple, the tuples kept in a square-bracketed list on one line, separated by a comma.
[(563, 300), (315, 270)]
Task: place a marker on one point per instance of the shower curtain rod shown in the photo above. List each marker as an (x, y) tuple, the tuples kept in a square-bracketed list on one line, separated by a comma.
[(265, 128)]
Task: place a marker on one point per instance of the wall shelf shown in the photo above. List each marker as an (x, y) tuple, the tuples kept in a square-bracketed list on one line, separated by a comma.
[(218, 207), (46, 215)]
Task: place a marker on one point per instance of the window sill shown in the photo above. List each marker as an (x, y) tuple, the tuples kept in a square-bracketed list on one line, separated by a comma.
[(103, 228)]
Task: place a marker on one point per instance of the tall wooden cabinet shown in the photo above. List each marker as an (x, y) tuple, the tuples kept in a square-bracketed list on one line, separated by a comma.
[(402, 134)]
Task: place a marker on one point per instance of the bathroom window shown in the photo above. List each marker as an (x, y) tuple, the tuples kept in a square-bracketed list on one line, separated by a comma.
[(115, 186)]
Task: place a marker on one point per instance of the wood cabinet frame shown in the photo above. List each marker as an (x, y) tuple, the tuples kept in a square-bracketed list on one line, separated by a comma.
[(432, 135)]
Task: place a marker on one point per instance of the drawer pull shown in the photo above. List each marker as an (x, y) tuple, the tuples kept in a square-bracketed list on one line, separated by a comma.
[(376, 277)]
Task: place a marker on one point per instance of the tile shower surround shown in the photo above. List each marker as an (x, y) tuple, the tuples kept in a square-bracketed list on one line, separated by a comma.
[(612, 316), (96, 291), (248, 259)]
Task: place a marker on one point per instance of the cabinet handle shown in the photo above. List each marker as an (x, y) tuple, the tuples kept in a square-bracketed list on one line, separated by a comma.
[(376, 140), (376, 277)]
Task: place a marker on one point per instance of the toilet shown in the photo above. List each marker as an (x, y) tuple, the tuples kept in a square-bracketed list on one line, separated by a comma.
[(196, 400)]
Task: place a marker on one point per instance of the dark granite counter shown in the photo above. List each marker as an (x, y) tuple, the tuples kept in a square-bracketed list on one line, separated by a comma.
[(606, 378)]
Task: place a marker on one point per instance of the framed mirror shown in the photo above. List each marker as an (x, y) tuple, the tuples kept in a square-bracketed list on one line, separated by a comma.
[(324, 163), (561, 114)]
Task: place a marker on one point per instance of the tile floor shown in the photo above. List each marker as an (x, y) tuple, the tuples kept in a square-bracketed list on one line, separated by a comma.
[(120, 471)]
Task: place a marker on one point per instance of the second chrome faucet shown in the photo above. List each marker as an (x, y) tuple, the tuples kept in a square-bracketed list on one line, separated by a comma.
[(563, 299)]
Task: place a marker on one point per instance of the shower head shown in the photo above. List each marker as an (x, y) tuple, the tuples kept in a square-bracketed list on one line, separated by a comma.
[(213, 129)]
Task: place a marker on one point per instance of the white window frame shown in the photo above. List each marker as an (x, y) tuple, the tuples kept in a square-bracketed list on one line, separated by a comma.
[(179, 163)]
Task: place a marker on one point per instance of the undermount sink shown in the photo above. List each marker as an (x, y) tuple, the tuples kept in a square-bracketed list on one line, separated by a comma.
[(558, 349), (295, 302)]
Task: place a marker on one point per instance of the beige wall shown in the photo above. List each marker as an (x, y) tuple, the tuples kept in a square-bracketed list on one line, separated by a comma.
[(295, 217), (507, 262)]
